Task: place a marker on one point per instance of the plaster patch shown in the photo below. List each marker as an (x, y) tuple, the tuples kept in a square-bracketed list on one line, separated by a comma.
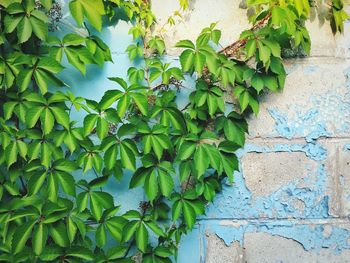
[(311, 236)]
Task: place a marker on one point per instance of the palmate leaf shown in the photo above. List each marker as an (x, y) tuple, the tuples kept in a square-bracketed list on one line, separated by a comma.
[(201, 160), (21, 236), (142, 237), (166, 183), (42, 148), (13, 150), (101, 235), (92, 9), (151, 186), (189, 214), (79, 51), (67, 182), (187, 60), (59, 234), (40, 234), (43, 71), (24, 30), (35, 182), (98, 201), (26, 21), (80, 252), (141, 101)]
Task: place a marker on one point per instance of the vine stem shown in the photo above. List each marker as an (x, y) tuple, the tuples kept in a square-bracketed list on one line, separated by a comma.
[(230, 50)]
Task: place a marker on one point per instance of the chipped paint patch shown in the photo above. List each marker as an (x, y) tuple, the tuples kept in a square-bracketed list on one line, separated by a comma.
[(284, 212)]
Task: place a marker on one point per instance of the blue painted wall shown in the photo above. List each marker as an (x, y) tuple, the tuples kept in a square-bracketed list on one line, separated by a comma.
[(275, 213)]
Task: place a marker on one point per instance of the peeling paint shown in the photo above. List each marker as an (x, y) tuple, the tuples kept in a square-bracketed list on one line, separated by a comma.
[(279, 213), (310, 236), (300, 199)]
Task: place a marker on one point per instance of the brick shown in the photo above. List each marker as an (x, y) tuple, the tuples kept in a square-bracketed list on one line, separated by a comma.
[(280, 178), (265, 173), (315, 102), (232, 20), (343, 174), (266, 248), (218, 252)]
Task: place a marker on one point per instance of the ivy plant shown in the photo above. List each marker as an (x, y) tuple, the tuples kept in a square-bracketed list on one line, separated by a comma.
[(54, 169)]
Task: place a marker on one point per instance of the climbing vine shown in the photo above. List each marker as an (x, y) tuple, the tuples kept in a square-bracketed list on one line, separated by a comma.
[(54, 204)]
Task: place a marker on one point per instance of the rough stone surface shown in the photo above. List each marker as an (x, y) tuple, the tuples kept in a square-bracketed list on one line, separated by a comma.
[(218, 252), (343, 174), (281, 168), (291, 199), (314, 102), (265, 248), (232, 20)]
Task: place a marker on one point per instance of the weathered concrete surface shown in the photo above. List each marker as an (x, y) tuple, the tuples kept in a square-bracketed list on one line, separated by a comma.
[(291, 199), (232, 20), (281, 168), (265, 248), (314, 102), (283, 241), (218, 252), (343, 175)]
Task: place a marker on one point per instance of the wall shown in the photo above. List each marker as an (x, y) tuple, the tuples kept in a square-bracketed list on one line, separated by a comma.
[(291, 200)]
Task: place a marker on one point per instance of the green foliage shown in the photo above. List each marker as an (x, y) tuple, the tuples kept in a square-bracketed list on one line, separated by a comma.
[(180, 156)]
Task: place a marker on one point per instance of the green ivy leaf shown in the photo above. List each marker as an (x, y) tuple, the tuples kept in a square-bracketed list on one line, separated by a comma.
[(101, 235), (189, 214), (67, 182), (185, 44), (24, 30), (201, 160), (166, 183), (35, 182), (141, 101), (21, 236), (80, 252), (92, 9), (187, 59), (151, 186), (250, 48), (234, 132), (39, 238), (141, 237), (186, 150), (116, 252)]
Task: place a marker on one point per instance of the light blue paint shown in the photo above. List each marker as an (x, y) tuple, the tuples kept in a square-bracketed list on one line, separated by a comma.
[(324, 115), (310, 69), (302, 125), (237, 202), (190, 249), (311, 237), (346, 147)]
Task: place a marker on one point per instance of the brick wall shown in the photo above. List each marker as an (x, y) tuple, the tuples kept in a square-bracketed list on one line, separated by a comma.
[(291, 200)]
